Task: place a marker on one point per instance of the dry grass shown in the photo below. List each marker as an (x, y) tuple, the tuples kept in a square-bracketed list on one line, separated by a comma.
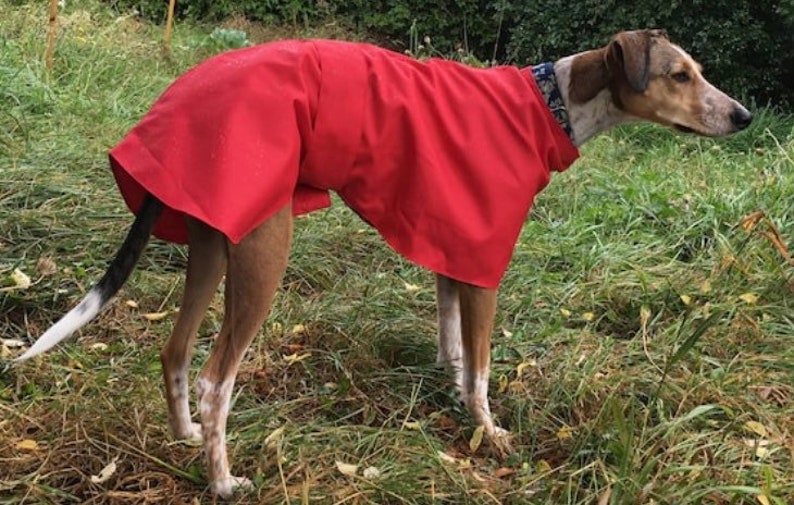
[(644, 350)]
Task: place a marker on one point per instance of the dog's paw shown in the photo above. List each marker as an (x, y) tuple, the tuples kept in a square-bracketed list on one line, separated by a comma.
[(226, 488), (502, 441), (190, 435)]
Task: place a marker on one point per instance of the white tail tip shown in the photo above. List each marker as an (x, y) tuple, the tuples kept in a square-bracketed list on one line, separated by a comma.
[(68, 324)]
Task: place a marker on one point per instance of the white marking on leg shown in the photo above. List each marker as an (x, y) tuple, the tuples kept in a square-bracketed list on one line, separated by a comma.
[(475, 397), (214, 400), (182, 427), (450, 345)]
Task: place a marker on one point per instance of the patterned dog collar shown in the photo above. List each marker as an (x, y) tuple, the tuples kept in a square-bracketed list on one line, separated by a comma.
[(547, 82)]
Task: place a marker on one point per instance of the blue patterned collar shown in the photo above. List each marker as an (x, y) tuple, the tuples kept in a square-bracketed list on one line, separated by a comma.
[(547, 82)]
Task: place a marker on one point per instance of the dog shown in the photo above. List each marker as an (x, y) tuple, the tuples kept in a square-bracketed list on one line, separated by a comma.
[(442, 159)]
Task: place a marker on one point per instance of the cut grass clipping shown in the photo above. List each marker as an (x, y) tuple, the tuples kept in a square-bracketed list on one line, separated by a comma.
[(643, 352)]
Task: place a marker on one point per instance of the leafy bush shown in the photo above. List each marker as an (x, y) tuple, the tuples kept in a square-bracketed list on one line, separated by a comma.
[(746, 47)]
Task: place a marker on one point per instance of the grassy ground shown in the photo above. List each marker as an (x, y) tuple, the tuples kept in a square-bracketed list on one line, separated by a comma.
[(644, 347)]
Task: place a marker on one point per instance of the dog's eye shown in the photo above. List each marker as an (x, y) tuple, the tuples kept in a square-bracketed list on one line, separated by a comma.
[(680, 76)]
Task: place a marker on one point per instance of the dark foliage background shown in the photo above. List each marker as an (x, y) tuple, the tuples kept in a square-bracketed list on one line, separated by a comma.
[(746, 48)]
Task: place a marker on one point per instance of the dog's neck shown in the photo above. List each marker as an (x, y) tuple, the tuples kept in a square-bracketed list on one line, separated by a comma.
[(584, 84)]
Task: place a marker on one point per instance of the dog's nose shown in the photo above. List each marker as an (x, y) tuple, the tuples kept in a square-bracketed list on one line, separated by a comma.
[(741, 117)]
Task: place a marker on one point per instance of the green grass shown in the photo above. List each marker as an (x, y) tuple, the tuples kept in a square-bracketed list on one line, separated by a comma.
[(643, 352)]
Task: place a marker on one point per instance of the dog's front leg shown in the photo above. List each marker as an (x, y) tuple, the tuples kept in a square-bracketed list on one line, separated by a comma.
[(450, 352), (477, 313)]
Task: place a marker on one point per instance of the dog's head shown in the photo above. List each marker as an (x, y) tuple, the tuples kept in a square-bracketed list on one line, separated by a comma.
[(651, 78)]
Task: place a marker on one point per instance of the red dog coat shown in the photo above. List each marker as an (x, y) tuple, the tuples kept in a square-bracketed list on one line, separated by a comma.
[(444, 160)]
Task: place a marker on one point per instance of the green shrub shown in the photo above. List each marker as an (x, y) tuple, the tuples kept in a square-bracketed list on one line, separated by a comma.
[(745, 47)]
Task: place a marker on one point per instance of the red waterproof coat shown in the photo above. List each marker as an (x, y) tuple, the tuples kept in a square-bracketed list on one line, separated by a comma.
[(442, 159)]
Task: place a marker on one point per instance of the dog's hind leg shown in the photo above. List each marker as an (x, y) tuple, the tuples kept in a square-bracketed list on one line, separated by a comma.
[(450, 352), (205, 267), (256, 266)]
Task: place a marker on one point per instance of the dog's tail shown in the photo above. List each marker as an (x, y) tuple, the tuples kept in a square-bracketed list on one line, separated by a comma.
[(115, 276)]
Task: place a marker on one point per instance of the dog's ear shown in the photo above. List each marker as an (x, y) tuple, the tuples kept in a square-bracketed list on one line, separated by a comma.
[(629, 56)]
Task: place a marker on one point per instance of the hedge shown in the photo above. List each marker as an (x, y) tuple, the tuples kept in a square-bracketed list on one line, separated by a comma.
[(747, 48)]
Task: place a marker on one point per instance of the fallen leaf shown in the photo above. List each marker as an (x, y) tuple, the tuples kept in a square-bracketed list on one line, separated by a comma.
[(131, 304), (272, 440), (503, 382), (588, 316), (503, 472), (756, 427), (749, 298), (12, 342), (298, 328), (507, 333), (412, 425), (565, 312), (20, 278), (705, 287), (604, 498), (46, 266), (686, 299), (105, 473), (346, 468), (296, 358), (371, 473), (564, 433), (446, 458), (27, 445), (155, 316), (412, 288), (524, 365), (543, 466), (476, 438), (99, 347), (762, 499)]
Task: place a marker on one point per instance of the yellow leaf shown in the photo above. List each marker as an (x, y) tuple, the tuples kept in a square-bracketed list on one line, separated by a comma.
[(21, 280), (543, 466), (564, 433), (686, 299), (346, 468), (272, 440), (588, 316), (131, 304), (705, 287), (503, 382), (523, 365), (565, 312), (296, 358), (756, 428), (412, 425), (749, 298), (99, 346), (298, 328), (476, 438), (446, 458), (761, 452), (762, 499), (412, 288), (155, 316), (507, 333), (27, 445)]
